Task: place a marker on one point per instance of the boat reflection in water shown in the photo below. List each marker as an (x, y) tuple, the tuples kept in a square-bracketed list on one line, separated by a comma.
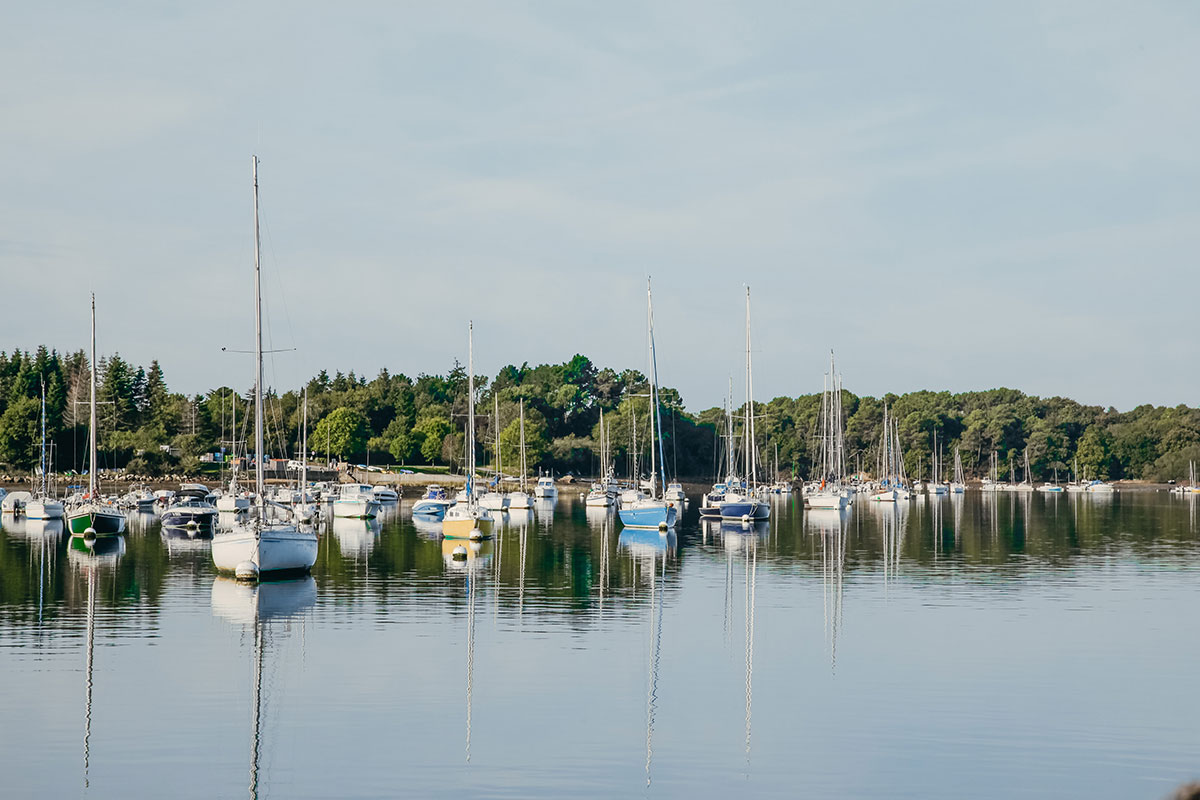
[(651, 549), (427, 527), (463, 555), (262, 606), (356, 537), (92, 556), (830, 526), (599, 517), (34, 530), (468, 557), (544, 507), (181, 541)]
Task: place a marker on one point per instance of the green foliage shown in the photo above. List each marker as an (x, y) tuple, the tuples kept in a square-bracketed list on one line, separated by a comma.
[(422, 418), (536, 443), (432, 431), (20, 432), (344, 431)]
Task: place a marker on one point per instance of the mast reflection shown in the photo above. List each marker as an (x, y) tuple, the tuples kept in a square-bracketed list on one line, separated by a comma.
[(90, 556), (260, 606)]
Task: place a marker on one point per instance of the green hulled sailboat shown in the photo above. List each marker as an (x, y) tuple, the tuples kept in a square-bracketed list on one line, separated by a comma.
[(92, 517)]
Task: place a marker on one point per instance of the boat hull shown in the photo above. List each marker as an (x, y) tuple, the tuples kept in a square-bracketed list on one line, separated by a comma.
[(465, 526), (830, 500), (43, 509), (494, 501), (275, 551), (744, 509), (357, 509), (431, 508), (658, 515), (173, 518), (100, 521)]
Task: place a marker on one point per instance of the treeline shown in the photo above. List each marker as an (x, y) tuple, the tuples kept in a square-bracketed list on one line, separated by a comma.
[(395, 419), (1148, 443)]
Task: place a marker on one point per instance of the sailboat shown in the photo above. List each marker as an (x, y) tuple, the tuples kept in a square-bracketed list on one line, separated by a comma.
[(520, 499), (1076, 485), (936, 487), (234, 500), (651, 511), (1051, 488), (1025, 485), (495, 499), (710, 503), (42, 505), (829, 493), (257, 547), (888, 489), (462, 519), (992, 482), (599, 496), (747, 505), (94, 517), (304, 510), (959, 485)]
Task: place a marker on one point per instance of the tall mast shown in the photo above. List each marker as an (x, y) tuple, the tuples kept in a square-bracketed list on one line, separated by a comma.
[(523, 440), (496, 409), (655, 418), (92, 416), (233, 440), (43, 437), (751, 460), (304, 453), (729, 429), (258, 360), (603, 454), (471, 415)]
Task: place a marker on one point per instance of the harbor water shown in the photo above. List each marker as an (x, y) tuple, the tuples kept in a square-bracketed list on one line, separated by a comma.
[(990, 646)]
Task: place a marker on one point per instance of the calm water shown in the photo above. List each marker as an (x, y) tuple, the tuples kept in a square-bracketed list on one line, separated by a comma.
[(981, 647)]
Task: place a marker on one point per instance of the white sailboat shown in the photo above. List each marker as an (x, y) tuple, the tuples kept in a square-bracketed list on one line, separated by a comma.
[(830, 492), (887, 491), (462, 520), (1025, 485), (992, 482), (936, 487), (959, 485), (94, 517), (599, 496), (520, 499), (42, 505), (234, 500), (1076, 485), (255, 546), (305, 509), (495, 499)]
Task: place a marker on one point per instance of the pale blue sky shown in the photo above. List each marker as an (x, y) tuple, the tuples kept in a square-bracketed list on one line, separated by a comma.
[(953, 195)]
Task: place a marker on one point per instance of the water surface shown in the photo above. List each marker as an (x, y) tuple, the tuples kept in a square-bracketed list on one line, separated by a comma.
[(986, 646)]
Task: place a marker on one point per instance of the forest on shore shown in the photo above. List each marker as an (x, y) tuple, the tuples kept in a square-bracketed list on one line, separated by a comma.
[(394, 419)]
